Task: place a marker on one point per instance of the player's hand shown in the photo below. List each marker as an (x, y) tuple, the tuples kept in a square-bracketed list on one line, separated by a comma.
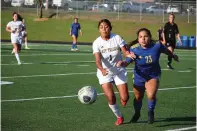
[(131, 55), (180, 43), (104, 72), (176, 58), (119, 63), (70, 33)]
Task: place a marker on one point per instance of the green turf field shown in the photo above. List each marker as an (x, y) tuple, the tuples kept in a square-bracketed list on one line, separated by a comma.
[(43, 96)]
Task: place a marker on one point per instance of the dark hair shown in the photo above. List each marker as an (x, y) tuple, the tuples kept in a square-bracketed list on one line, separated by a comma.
[(14, 13), (107, 22), (172, 15), (76, 18), (19, 18), (136, 40)]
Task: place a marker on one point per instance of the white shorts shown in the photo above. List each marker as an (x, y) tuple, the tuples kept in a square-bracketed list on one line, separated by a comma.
[(16, 40), (119, 78)]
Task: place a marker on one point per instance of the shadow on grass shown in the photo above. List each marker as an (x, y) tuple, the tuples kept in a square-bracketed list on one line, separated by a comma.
[(172, 121)]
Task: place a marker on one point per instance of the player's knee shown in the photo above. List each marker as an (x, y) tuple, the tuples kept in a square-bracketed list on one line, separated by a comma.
[(111, 99), (125, 98), (151, 97), (139, 97)]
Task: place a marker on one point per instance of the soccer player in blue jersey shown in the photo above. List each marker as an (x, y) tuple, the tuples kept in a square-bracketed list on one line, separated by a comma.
[(147, 71), (75, 28)]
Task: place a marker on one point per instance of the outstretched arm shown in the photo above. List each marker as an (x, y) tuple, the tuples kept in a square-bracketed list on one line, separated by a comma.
[(127, 53)]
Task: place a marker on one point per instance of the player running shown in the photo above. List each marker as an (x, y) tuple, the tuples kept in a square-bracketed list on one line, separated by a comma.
[(171, 31), (75, 28), (147, 71), (15, 28), (106, 49)]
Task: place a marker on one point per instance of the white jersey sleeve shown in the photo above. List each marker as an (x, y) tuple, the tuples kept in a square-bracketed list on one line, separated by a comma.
[(120, 41), (95, 47)]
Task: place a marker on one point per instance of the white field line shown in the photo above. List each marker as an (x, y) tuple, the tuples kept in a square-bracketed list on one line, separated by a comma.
[(183, 129), (71, 96), (185, 71), (67, 74), (64, 62), (83, 65), (48, 75), (78, 54), (68, 62)]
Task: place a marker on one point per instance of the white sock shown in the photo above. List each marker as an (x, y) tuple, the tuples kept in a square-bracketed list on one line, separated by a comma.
[(13, 50), (115, 110), (17, 57)]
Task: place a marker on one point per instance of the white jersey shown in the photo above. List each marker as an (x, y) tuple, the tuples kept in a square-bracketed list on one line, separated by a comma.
[(17, 27), (110, 52)]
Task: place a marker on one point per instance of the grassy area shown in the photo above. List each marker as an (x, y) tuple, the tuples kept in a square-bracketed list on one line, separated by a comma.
[(55, 71), (58, 29)]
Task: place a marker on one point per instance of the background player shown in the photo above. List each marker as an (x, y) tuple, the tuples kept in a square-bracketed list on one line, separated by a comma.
[(171, 31), (75, 28), (15, 28)]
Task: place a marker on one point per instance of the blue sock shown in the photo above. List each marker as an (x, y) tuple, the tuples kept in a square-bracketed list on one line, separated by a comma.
[(73, 46), (151, 104), (137, 105)]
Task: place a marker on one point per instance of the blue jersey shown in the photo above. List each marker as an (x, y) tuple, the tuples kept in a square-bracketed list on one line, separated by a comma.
[(75, 27), (147, 60)]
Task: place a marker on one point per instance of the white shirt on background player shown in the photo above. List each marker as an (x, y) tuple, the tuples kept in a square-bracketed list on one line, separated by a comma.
[(15, 26), (110, 52)]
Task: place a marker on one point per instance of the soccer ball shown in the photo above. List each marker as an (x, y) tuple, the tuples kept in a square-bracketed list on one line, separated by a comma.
[(87, 95)]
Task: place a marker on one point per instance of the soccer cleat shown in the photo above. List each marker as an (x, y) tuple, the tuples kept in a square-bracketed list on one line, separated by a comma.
[(169, 66), (150, 117), (124, 103), (76, 49), (135, 117), (72, 49), (19, 63), (27, 48), (119, 121)]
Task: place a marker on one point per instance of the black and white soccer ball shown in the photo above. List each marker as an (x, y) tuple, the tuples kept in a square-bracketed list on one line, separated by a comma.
[(87, 95)]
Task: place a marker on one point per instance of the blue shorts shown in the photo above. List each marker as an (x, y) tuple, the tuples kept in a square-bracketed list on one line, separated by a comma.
[(76, 35), (139, 81)]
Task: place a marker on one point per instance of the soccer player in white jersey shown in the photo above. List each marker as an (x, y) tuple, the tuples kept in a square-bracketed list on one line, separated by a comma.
[(106, 50), (15, 28)]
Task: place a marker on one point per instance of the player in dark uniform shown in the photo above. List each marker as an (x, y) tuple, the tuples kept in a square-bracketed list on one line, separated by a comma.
[(171, 31), (75, 28), (147, 71)]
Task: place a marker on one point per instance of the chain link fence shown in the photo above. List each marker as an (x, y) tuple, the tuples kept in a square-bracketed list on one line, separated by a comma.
[(125, 10)]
